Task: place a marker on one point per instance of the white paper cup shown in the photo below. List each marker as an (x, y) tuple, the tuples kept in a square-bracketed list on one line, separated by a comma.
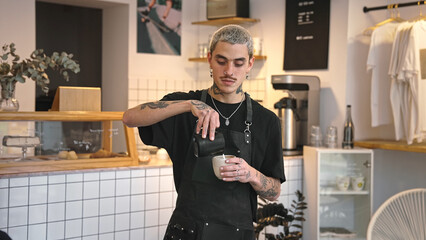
[(358, 183), (342, 183), (219, 161)]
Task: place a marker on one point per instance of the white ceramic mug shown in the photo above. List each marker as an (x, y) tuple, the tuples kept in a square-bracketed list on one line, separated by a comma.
[(219, 161), (343, 182), (358, 183)]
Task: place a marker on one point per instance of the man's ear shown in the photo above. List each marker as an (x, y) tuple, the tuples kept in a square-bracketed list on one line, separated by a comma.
[(250, 63), (209, 58)]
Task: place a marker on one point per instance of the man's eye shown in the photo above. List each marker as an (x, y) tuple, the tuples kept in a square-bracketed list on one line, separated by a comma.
[(239, 64), (221, 62)]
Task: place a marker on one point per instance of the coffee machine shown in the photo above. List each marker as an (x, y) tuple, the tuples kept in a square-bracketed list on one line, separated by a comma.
[(305, 91)]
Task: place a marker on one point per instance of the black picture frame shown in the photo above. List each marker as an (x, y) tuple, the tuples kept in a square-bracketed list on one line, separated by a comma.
[(307, 26)]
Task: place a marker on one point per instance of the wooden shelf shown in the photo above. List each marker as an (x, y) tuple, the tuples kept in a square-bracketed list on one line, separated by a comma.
[(205, 59), (75, 116), (224, 21), (106, 118), (392, 145)]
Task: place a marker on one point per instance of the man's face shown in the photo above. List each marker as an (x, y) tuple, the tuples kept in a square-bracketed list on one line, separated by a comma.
[(230, 64)]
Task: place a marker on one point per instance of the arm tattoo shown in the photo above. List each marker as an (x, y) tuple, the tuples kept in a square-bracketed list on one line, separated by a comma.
[(265, 192), (158, 104), (263, 181), (200, 105)]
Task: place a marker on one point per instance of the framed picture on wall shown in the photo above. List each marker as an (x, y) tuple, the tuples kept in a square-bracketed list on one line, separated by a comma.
[(307, 26), (159, 26)]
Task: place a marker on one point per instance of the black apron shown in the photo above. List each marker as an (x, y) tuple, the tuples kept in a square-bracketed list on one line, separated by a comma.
[(211, 209)]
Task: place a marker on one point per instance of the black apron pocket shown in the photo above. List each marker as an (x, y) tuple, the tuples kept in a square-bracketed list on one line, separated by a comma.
[(180, 228), (203, 170), (214, 231)]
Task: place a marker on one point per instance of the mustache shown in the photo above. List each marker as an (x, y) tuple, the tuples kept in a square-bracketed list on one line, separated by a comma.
[(227, 76)]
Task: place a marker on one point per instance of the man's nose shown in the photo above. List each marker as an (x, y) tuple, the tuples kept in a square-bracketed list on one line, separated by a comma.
[(229, 69)]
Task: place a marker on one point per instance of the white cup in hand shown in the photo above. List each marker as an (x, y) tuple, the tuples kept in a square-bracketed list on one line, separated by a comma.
[(219, 161)]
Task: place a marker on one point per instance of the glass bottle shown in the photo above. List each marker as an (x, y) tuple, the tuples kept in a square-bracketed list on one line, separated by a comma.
[(348, 130)]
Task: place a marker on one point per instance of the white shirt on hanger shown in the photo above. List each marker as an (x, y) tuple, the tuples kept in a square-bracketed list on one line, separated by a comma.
[(415, 76), (398, 86), (379, 54)]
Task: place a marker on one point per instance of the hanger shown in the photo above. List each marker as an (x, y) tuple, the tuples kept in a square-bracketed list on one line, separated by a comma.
[(368, 31), (420, 16)]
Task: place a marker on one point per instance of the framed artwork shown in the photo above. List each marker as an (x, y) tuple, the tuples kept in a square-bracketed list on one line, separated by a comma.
[(307, 26), (159, 26)]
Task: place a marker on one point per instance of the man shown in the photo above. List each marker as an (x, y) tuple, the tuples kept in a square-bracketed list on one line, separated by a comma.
[(209, 208)]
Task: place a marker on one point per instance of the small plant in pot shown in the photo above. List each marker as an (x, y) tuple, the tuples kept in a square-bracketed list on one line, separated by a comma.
[(274, 214), (18, 70)]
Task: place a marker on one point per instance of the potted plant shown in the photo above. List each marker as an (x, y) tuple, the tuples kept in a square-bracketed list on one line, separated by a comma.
[(274, 214), (33, 68)]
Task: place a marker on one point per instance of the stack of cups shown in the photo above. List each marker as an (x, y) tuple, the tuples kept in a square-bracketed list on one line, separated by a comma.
[(331, 137), (316, 136)]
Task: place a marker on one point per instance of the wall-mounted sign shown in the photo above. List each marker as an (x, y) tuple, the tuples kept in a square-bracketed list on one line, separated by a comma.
[(306, 34)]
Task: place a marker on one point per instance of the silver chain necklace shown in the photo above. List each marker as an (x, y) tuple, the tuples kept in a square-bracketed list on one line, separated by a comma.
[(227, 118)]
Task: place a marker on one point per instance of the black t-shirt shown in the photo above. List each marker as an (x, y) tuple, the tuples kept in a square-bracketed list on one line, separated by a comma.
[(175, 135)]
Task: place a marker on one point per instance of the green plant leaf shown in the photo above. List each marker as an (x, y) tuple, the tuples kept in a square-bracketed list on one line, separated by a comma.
[(20, 79)]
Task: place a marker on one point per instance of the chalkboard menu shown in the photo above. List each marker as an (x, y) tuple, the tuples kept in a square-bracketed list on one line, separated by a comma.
[(306, 34)]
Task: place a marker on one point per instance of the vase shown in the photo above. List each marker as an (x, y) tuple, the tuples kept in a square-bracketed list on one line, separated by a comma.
[(8, 102)]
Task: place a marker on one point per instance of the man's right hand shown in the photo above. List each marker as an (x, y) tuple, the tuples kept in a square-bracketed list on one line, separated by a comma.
[(208, 118)]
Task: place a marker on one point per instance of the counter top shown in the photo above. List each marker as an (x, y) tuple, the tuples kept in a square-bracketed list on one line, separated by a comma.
[(392, 145), (154, 163)]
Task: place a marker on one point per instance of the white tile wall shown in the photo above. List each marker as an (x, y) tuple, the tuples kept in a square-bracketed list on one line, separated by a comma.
[(123, 204), (92, 205)]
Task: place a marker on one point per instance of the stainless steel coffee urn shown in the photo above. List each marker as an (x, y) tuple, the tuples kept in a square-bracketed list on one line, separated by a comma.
[(305, 92), (287, 114)]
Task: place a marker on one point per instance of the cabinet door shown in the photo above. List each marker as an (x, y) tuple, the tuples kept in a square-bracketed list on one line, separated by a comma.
[(340, 198)]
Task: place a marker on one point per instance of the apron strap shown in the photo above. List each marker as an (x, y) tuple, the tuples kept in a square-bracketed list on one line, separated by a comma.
[(248, 122), (204, 95)]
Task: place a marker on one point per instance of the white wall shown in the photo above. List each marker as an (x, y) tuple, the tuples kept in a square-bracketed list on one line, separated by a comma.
[(18, 26)]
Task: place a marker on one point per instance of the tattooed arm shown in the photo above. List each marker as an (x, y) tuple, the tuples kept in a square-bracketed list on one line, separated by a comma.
[(240, 170), (150, 113), (267, 187)]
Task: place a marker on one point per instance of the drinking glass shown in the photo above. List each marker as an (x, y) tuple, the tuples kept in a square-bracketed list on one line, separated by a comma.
[(316, 136), (331, 137)]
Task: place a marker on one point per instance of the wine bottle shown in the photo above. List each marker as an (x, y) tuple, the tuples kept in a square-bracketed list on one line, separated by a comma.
[(348, 130)]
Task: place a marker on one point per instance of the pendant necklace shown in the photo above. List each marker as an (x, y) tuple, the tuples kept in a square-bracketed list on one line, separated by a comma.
[(226, 118)]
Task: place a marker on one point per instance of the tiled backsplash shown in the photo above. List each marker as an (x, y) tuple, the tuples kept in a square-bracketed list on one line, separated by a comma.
[(122, 204), (142, 89)]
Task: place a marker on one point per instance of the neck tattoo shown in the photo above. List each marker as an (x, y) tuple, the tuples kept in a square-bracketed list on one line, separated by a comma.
[(227, 118)]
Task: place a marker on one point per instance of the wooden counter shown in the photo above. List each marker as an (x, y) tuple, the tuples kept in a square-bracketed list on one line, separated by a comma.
[(131, 158), (392, 145)]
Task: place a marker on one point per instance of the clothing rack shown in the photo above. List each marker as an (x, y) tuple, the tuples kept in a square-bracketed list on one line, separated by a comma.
[(390, 6)]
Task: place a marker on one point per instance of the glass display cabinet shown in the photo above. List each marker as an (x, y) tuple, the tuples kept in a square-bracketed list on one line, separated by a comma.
[(338, 190), (62, 141)]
